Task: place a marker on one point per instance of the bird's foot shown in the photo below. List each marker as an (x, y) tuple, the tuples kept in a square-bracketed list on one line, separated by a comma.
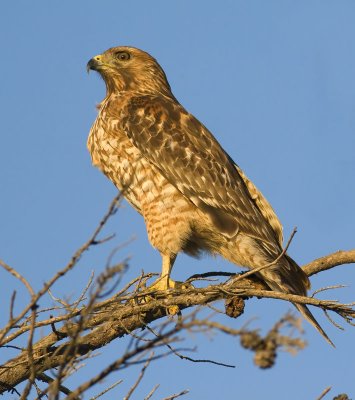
[(163, 284)]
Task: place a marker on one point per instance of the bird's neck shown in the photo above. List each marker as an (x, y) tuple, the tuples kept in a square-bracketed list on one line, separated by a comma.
[(144, 85)]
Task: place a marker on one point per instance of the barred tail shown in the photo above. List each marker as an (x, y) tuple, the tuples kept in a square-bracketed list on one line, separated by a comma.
[(288, 277), (303, 309)]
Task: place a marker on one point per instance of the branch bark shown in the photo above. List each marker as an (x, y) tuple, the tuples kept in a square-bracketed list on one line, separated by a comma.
[(341, 257), (125, 313)]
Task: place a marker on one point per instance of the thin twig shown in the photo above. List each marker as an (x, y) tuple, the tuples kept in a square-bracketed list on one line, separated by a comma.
[(150, 394), (175, 396), (140, 377), (331, 320), (116, 365), (83, 294), (30, 357), (255, 270), (323, 289), (107, 390), (325, 391), (45, 378), (12, 304), (182, 357), (18, 276), (76, 257), (101, 317)]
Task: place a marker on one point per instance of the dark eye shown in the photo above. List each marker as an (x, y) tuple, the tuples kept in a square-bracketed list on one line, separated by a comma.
[(123, 55)]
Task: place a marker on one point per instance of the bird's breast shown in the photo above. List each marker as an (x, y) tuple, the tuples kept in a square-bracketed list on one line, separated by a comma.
[(113, 153)]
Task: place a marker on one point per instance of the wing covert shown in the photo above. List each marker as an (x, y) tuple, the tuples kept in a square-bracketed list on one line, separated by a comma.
[(190, 158)]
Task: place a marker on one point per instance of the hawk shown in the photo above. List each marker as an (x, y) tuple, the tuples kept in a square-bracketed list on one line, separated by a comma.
[(193, 197)]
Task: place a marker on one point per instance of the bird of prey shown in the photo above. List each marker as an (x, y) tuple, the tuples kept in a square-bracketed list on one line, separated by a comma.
[(193, 197)]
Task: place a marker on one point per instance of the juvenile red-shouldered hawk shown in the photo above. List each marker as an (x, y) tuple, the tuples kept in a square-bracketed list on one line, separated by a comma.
[(172, 170)]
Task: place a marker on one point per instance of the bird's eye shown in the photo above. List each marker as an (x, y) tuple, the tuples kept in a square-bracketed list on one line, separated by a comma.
[(123, 55)]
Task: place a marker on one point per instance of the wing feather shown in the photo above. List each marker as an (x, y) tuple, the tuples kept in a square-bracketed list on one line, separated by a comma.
[(190, 158)]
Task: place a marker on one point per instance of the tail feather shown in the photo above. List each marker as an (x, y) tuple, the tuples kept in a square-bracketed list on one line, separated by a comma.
[(288, 277), (303, 309)]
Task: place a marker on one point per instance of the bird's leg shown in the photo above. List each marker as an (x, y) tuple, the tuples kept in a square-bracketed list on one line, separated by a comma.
[(164, 282)]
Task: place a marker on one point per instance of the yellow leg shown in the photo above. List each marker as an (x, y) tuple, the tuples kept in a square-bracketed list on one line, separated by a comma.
[(167, 266), (164, 282)]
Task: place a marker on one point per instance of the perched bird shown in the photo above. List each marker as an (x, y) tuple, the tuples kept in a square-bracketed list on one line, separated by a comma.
[(193, 197)]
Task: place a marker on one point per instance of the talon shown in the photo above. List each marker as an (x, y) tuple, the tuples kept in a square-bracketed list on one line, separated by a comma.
[(163, 284), (173, 310)]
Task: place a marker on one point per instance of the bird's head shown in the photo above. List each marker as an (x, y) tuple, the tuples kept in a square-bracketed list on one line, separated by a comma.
[(130, 69)]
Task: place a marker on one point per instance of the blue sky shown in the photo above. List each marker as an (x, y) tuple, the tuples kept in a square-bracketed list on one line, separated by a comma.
[(273, 80)]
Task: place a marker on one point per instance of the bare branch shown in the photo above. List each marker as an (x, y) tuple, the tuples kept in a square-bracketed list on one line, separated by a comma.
[(175, 396), (76, 257), (18, 276), (140, 377), (325, 391), (150, 394), (92, 321), (45, 378), (340, 257), (182, 357), (107, 390)]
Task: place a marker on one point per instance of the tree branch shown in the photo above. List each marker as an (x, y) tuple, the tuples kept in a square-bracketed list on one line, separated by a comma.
[(321, 264), (89, 324), (123, 314)]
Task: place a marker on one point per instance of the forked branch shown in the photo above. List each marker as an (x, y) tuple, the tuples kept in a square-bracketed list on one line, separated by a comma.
[(77, 329)]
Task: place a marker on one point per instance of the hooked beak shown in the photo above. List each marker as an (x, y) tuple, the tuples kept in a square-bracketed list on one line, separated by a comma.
[(94, 64)]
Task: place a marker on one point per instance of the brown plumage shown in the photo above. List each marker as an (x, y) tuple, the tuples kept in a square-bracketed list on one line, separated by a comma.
[(172, 170)]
